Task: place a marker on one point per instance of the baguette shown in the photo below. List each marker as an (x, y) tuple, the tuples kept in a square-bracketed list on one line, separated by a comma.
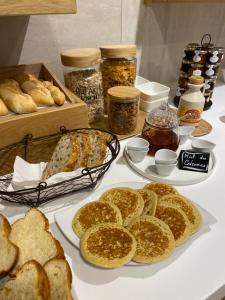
[(3, 108), (30, 283), (17, 101), (56, 94), (60, 279), (32, 86), (8, 251), (33, 239)]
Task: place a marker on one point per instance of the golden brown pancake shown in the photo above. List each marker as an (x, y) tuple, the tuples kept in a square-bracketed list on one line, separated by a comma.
[(187, 207), (161, 189), (129, 202), (155, 241), (108, 245), (150, 202), (176, 219), (94, 213)]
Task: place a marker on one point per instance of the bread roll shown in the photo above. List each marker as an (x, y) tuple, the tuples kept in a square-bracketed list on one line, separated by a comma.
[(32, 86), (57, 95), (3, 109), (13, 84), (17, 102)]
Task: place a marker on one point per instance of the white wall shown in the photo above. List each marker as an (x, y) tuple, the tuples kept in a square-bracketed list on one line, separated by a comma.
[(161, 31)]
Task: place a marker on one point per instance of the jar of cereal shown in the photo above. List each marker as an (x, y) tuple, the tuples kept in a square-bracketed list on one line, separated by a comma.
[(83, 77), (123, 107)]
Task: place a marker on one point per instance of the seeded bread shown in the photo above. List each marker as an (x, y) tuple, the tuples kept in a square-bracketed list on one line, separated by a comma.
[(8, 251), (30, 234), (129, 202), (60, 279), (94, 213), (64, 158), (155, 241), (30, 283), (107, 245)]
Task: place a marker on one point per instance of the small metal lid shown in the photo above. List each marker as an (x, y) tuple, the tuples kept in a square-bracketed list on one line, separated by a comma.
[(219, 49), (192, 46)]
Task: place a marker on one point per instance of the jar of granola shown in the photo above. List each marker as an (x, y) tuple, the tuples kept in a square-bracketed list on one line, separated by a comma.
[(123, 107), (118, 67), (83, 77)]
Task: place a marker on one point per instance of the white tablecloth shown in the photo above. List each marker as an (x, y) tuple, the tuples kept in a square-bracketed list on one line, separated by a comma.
[(199, 273)]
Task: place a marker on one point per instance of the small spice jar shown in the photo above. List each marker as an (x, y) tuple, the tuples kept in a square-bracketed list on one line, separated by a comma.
[(83, 77), (118, 67), (161, 129), (196, 70), (215, 55), (200, 56), (211, 71), (190, 51), (123, 109), (186, 65)]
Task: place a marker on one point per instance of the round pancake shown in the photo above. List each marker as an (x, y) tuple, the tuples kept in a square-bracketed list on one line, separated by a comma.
[(150, 202), (94, 213), (176, 219), (129, 202), (155, 241), (187, 207), (161, 189), (108, 245)]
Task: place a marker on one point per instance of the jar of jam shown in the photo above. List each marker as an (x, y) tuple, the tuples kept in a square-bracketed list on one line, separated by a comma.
[(215, 55), (209, 85), (161, 129), (190, 51), (186, 65), (200, 56), (196, 70), (183, 81)]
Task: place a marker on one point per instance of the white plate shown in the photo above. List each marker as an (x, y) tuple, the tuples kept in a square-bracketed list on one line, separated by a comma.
[(147, 169), (64, 221)]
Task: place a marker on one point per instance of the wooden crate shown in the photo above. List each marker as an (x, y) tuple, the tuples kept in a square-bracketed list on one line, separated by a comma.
[(48, 120)]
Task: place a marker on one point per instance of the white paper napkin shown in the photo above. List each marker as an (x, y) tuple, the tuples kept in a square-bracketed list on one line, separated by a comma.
[(28, 175)]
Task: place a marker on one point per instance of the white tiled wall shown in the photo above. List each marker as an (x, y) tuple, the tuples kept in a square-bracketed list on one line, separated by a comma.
[(161, 31)]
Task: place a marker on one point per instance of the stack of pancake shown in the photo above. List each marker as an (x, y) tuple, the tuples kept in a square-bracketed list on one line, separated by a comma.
[(142, 225)]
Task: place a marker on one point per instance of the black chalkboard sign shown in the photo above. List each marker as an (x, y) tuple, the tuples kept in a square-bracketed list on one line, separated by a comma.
[(194, 161)]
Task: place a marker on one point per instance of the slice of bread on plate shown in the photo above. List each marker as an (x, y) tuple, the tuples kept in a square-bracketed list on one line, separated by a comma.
[(30, 234), (8, 251), (60, 279), (29, 283)]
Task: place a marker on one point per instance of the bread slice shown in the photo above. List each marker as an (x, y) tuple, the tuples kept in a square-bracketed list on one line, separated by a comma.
[(98, 149), (30, 283), (60, 279), (155, 241), (129, 202), (161, 189), (94, 213), (176, 219), (8, 251), (30, 234), (150, 202), (188, 207), (64, 158), (108, 245)]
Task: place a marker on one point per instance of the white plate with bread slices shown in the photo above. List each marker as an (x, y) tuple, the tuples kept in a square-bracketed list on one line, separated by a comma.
[(64, 220)]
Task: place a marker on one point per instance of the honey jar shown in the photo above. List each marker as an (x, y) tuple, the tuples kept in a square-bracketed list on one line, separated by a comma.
[(161, 129)]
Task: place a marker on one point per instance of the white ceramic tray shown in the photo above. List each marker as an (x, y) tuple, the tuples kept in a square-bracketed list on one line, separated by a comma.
[(64, 221), (147, 169)]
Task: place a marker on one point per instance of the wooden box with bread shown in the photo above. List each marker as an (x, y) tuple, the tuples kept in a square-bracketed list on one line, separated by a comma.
[(35, 101)]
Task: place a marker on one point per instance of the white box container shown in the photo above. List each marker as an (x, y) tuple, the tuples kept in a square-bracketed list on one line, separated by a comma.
[(140, 80), (153, 91), (150, 105)]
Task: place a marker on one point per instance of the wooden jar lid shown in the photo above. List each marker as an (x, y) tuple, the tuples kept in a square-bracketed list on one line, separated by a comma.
[(118, 93), (118, 51), (80, 57)]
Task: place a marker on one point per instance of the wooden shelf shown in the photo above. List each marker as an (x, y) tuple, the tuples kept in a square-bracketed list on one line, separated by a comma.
[(36, 7), (149, 2)]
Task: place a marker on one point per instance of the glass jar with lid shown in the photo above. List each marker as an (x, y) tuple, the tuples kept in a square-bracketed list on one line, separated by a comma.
[(83, 77), (123, 107), (161, 129), (118, 66)]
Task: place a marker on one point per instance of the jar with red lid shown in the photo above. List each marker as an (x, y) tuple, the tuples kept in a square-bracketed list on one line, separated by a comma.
[(161, 129)]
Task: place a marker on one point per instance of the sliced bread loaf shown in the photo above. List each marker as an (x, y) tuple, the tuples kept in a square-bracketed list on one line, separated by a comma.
[(30, 283), (33, 239), (8, 251), (60, 279)]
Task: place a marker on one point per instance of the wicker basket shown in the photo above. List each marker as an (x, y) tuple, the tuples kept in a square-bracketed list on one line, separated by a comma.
[(36, 150)]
